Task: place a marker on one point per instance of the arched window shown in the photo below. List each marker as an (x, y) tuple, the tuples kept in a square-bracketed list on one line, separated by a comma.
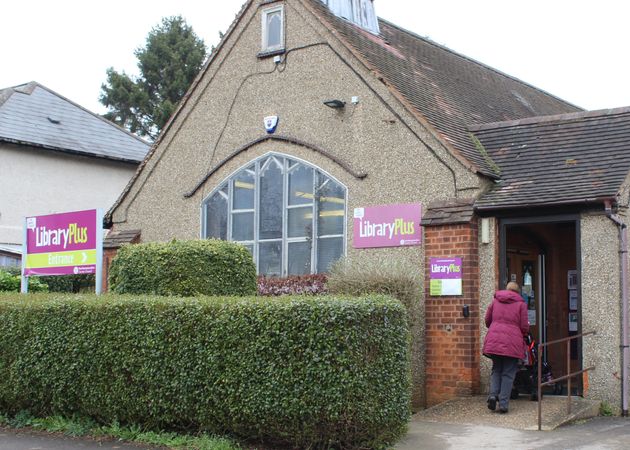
[(289, 214), (273, 29)]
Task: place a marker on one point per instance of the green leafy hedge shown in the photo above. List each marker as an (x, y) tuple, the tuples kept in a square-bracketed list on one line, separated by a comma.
[(302, 371), (396, 278), (64, 283), (70, 283), (10, 282), (186, 268)]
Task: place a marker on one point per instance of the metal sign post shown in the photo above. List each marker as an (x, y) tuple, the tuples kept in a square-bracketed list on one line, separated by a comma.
[(23, 278)]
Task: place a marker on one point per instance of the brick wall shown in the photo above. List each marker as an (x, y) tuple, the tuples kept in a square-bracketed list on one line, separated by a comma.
[(108, 255), (113, 241), (452, 341)]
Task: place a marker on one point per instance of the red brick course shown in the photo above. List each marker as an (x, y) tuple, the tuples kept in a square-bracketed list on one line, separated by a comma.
[(108, 255), (452, 341)]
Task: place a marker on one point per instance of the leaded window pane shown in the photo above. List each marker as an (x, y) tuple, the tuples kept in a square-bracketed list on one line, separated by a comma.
[(274, 29), (300, 185), (331, 207), (251, 208), (216, 215), (270, 258), (329, 250), (271, 205), (299, 258), (243, 226), (300, 222), (244, 188)]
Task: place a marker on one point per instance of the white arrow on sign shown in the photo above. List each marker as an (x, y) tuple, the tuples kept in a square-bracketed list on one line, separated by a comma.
[(84, 257)]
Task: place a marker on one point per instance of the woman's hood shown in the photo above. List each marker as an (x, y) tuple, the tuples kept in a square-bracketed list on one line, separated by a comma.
[(508, 296)]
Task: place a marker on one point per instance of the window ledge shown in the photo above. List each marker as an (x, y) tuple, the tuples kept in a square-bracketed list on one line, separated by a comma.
[(268, 53)]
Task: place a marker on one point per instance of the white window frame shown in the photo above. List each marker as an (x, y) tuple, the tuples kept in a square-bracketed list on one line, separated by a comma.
[(265, 32)]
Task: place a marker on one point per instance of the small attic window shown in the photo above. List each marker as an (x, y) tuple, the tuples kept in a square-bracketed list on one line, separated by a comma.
[(359, 12), (273, 29)]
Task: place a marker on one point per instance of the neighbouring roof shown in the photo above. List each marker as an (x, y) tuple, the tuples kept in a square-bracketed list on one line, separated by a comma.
[(447, 89), (565, 159), (13, 249), (116, 238), (452, 212), (31, 114)]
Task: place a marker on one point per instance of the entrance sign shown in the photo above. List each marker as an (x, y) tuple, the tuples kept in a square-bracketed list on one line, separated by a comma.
[(63, 244), (445, 276), (387, 226)]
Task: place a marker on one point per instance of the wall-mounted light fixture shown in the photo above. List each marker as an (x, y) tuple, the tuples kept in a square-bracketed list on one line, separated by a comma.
[(336, 104)]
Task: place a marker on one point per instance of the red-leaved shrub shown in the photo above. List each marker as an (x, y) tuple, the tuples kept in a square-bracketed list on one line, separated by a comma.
[(296, 284)]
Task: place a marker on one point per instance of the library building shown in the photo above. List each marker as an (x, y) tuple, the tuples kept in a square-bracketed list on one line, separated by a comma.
[(317, 131)]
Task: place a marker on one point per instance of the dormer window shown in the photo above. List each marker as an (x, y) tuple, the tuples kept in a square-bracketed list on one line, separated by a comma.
[(273, 29), (359, 12)]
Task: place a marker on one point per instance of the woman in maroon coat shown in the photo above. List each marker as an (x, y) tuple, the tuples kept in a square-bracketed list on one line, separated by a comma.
[(506, 319)]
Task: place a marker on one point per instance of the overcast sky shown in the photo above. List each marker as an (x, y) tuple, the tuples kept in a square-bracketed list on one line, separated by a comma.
[(576, 50)]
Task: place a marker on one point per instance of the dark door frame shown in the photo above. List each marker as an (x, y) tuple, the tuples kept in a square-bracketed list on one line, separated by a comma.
[(504, 223)]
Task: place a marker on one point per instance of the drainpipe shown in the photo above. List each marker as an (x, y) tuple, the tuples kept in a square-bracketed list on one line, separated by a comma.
[(625, 355)]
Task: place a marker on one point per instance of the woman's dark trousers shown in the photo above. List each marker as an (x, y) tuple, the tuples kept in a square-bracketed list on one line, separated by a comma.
[(502, 378)]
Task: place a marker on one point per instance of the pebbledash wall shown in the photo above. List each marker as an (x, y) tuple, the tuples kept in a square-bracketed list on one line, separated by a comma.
[(226, 111), (601, 307)]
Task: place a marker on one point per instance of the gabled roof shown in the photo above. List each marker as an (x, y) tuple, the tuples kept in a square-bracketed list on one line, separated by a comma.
[(107, 219), (118, 238), (33, 115), (448, 213), (566, 159), (11, 249), (448, 90)]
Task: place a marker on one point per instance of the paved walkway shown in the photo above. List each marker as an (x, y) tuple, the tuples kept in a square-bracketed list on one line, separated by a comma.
[(600, 433), (467, 423), (523, 413)]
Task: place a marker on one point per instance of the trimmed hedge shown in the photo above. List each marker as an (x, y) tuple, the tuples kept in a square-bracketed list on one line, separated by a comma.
[(396, 278), (303, 371), (185, 268), (70, 283)]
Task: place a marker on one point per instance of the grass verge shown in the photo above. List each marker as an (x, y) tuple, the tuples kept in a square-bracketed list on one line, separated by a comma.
[(82, 426)]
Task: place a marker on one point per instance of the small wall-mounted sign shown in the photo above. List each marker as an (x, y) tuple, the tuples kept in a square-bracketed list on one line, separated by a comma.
[(445, 276), (573, 300), (573, 321), (387, 226), (572, 279), (271, 123)]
